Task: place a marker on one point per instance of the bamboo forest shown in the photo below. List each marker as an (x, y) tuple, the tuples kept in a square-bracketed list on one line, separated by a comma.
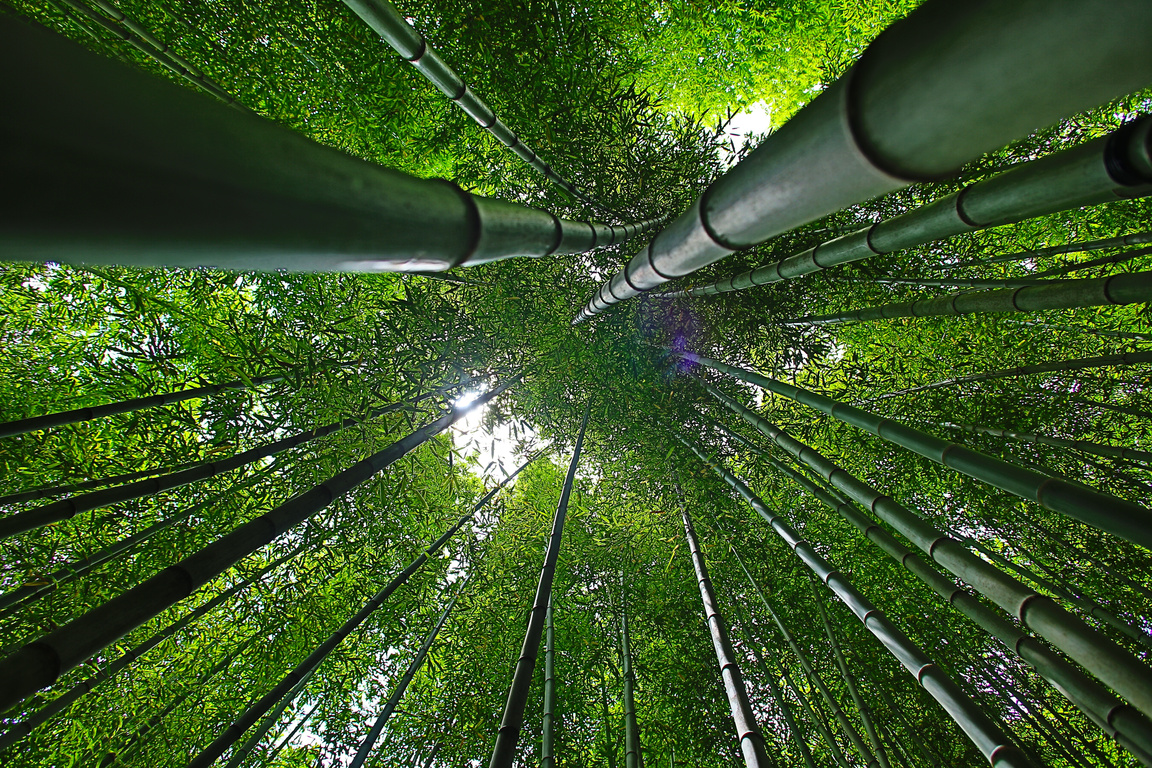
[(615, 383)]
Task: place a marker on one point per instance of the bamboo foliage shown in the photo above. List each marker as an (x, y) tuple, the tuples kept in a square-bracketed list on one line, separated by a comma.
[(986, 735), (1120, 241)]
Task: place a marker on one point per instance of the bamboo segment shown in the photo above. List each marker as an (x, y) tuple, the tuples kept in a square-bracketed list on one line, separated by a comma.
[(42, 661), (547, 749), (387, 21), (747, 730), (1055, 366), (65, 509), (219, 188), (1125, 519), (1090, 648), (1096, 172), (49, 420), (397, 694), (1132, 288), (984, 733), (87, 485), (504, 750), (306, 667), (928, 95), (1096, 449), (632, 756), (1136, 238)]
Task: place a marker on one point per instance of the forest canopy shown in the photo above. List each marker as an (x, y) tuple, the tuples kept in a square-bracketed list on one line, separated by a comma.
[(949, 432)]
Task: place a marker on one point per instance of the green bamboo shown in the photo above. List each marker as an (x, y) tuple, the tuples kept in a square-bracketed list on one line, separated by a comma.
[(1125, 519), (65, 509), (59, 490), (223, 188), (816, 717), (1076, 266), (1054, 366), (957, 282), (273, 717), (906, 112), (49, 420), (19, 730), (1131, 288), (747, 730), (271, 758), (1090, 648), (373, 734), (547, 749), (988, 738), (849, 681), (257, 709), (1077, 553), (42, 661), (1096, 449), (1136, 238), (1080, 329), (633, 757), (609, 743), (504, 749)]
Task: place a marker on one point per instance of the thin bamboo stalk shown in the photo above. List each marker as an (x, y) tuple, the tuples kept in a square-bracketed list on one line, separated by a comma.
[(1080, 329), (633, 757), (369, 740), (547, 737), (1096, 449), (1054, 366), (747, 730), (1083, 175), (65, 509), (504, 749), (849, 681), (988, 738), (1040, 614), (1136, 238), (273, 717), (1119, 517), (1076, 266), (814, 715), (306, 667), (957, 282), (1130, 288), (270, 759), (49, 420), (223, 188), (906, 112), (59, 490), (42, 661)]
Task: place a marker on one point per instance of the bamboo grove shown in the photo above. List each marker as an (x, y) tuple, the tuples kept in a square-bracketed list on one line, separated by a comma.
[(826, 448)]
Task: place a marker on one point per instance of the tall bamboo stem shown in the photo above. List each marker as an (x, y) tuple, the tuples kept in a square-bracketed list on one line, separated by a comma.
[(547, 737), (1136, 238), (633, 757)]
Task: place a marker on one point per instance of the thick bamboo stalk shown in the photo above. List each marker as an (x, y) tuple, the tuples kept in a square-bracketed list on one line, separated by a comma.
[(222, 188), (928, 95), (373, 734), (747, 730), (1088, 174), (1096, 449), (387, 21), (1125, 519), (1090, 648), (306, 667), (65, 509), (1054, 366), (504, 749), (49, 420), (1131, 288), (986, 735), (59, 490), (547, 737), (42, 661), (1136, 238), (633, 757), (850, 681), (19, 730)]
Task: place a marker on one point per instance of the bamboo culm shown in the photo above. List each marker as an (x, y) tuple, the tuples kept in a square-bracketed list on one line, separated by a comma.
[(986, 735), (60, 490), (504, 749), (1081, 329), (1119, 517), (306, 667), (896, 117), (849, 681), (747, 730), (632, 754), (1096, 172), (1097, 449), (548, 724), (1087, 646), (273, 717), (1129, 288), (42, 661), (1136, 238), (65, 509), (373, 734), (224, 188)]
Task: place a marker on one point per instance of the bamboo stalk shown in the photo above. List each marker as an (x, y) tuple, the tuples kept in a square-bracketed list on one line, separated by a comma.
[(58, 490), (633, 757), (270, 759), (747, 730), (1136, 238), (1080, 329), (1076, 266), (907, 111), (988, 738), (222, 188), (273, 717), (1090, 648), (1096, 449), (42, 661), (547, 749), (1130, 288), (504, 749), (1121, 518)]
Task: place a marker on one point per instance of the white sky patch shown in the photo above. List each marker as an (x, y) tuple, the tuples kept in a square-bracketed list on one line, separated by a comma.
[(496, 448), (754, 121)]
